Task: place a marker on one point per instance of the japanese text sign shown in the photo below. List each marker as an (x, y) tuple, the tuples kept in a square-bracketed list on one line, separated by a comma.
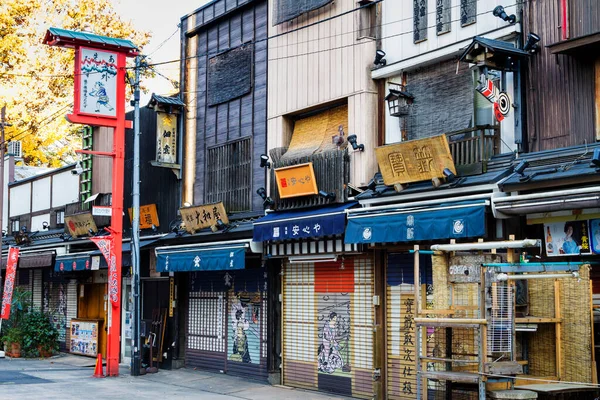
[(148, 216), (204, 216), (567, 238), (9, 283), (415, 160), (80, 224), (166, 138), (296, 180), (105, 245), (98, 82)]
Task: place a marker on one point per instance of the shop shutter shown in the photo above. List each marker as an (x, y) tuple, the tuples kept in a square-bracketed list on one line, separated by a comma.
[(226, 329), (72, 297), (400, 310), (57, 308), (37, 289), (328, 326)]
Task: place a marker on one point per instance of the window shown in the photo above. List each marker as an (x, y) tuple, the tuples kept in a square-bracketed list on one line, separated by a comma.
[(468, 12), (419, 20), (229, 175), (60, 217), (14, 226), (367, 21)]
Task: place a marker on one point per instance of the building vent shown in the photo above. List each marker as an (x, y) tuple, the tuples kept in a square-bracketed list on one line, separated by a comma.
[(14, 149)]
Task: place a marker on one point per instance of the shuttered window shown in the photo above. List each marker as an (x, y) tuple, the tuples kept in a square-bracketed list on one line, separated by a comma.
[(328, 326), (229, 175)]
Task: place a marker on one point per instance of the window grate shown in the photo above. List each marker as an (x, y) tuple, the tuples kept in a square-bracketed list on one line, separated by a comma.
[(229, 175)]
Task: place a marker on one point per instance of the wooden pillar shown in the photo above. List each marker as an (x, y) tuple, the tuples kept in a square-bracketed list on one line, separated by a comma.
[(597, 97)]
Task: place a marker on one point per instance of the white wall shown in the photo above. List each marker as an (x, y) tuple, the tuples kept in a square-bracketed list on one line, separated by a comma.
[(36, 222), (397, 27), (41, 194), (65, 189), (20, 199)]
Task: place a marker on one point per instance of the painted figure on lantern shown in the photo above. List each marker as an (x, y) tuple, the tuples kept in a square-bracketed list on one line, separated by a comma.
[(103, 99)]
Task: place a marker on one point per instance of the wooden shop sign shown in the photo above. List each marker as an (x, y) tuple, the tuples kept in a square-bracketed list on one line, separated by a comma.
[(80, 224), (148, 216), (415, 160), (196, 218), (296, 180)]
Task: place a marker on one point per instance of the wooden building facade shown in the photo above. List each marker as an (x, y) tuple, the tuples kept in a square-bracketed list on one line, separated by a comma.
[(563, 77)]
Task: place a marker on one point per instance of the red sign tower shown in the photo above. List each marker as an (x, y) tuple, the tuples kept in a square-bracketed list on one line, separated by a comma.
[(100, 101)]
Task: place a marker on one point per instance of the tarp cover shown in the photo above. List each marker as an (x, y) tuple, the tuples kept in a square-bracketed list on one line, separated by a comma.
[(284, 10)]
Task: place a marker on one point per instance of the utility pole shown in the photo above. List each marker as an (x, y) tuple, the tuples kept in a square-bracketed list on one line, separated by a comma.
[(135, 226), (2, 146)]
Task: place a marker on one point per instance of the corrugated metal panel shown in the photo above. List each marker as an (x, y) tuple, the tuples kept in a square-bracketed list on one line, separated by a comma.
[(559, 88), (72, 297), (328, 326), (226, 321), (37, 289), (401, 350)]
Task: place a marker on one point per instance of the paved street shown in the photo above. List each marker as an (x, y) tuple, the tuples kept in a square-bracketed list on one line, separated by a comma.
[(69, 377)]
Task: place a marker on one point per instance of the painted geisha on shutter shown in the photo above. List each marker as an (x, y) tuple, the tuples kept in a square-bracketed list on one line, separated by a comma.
[(328, 326)]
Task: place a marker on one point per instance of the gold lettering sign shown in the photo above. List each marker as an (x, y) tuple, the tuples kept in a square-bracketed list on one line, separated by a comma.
[(148, 216), (415, 160), (296, 180), (80, 224), (205, 216), (166, 138)]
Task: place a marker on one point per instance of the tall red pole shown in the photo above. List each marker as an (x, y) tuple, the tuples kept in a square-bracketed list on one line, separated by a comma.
[(118, 177)]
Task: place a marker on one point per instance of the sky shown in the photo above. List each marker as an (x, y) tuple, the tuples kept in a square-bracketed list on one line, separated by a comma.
[(161, 19)]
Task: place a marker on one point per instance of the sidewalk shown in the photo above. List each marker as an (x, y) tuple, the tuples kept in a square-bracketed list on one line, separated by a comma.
[(69, 377)]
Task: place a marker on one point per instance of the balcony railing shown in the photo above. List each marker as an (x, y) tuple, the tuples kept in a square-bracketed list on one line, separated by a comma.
[(332, 173), (472, 148)]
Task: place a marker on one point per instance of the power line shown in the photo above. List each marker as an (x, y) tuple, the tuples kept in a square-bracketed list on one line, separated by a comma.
[(164, 41), (51, 118)]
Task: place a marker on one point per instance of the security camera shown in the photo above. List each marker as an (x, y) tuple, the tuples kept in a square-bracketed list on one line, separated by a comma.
[(78, 170)]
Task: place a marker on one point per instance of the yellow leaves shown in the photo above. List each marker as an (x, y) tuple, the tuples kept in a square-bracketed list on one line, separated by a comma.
[(36, 81)]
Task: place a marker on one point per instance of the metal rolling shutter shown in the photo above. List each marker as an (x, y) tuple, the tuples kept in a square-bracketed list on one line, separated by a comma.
[(57, 308), (328, 323), (226, 329), (72, 296), (37, 289), (400, 310)]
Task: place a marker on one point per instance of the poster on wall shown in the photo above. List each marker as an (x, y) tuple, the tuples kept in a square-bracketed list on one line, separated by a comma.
[(84, 337), (567, 238), (244, 332), (595, 235)]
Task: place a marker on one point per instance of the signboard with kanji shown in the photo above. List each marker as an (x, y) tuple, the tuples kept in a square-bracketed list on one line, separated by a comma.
[(166, 138), (415, 160), (148, 216), (296, 180), (80, 224), (204, 216), (567, 238), (98, 82)]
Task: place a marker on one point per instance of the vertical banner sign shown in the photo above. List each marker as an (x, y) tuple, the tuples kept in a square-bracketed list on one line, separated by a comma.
[(166, 138), (9, 282), (98, 89), (105, 244)]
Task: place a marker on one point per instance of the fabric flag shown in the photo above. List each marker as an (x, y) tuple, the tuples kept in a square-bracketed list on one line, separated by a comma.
[(105, 244), (9, 283)]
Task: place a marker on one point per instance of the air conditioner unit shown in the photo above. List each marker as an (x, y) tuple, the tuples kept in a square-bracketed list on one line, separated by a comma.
[(14, 149)]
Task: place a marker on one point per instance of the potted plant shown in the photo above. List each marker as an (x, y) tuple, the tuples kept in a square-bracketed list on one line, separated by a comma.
[(40, 337), (13, 338)]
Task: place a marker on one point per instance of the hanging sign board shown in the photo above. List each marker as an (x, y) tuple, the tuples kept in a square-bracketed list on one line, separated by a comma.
[(166, 138), (595, 235), (415, 160), (567, 238), (80, 224), (148, 216), (98, 83), (102, 211), (196, 218), (296, 180)]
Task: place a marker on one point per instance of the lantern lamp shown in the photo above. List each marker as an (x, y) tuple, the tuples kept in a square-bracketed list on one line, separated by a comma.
[(399, 100)]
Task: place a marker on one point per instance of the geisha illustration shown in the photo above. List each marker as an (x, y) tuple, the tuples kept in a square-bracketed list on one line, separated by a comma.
[(329, 358), (103, 99), (240, 340)]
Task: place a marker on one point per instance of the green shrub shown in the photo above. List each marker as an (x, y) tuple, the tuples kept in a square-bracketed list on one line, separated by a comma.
[(38, 334)]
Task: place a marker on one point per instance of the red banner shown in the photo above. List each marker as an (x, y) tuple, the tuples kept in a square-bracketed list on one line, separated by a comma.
[(105, 244), (9, 282)]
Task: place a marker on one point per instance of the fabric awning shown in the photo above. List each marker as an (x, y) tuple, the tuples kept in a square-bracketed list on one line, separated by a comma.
[(73, 262), (299, 224), (202, 257), (39, 259), (444, 221)]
